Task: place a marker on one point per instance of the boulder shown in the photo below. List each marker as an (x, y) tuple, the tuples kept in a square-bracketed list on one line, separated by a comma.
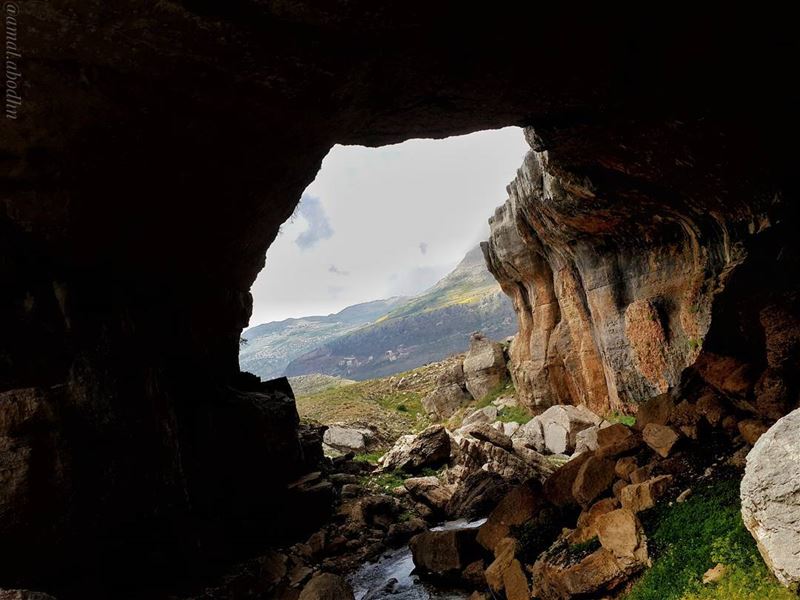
[(487, 414), (586, 440), (531, 435), (399, 533), (711, 407), (661, 438), (444, 553), (561, 425), (477, 495), (327, 586), (620, 532), (770, 495), (504, 553), (752, 429), (592, 479), (615, 440), (431, 448), (510, 428), (489, 434), (445, 400), (558, 487), (377, 511), (625, 466), (557, 575), (484, 366), (347, 439), (641, 496), (430, 491), (475, 574), (586, 528), (520, 505), (656, 410)]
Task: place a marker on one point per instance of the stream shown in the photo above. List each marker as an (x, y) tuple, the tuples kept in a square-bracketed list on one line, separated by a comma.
[(391, 576)]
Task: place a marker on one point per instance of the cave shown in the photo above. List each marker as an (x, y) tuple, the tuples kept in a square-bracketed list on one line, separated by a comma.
[(158, 148)]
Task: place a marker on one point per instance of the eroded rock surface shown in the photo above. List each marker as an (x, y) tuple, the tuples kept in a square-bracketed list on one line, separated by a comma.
[(771, 497)]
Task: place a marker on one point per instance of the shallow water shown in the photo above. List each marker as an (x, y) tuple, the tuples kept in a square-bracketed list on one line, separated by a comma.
[(391, 576)]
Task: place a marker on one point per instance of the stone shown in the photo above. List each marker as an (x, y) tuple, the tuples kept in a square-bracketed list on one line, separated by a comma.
[(561, 425), (430, 448), (558, 487), (661, 438), (399, 533), (444, 553), (752, 429), (641, 474), (641, 496), (715, 574), (486, 433), (487, 414), (586, 440), (515, 583), (557, 577), (531, 435), (24, 595), (625, 466), (377, 511), (327, 586), (586, 527), (484, 366), (615, 440), (347, 439), (684, 496), (430, 491), (593, 479), (770, 494), (477, 495), (522, 504), (620, 532), (510, 428), (444, 401), (504, 554), (475, 574), (711, 407), (656, 410)]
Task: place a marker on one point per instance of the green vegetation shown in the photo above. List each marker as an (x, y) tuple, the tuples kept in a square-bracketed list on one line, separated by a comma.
[(517, 414), (688, 539), (617, 417), (577, 552), (369, 457), (506, 388), (695, 343), (401, 408), (384, 482)]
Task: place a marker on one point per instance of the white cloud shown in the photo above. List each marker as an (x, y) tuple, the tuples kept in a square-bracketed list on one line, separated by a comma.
[(366, 213)]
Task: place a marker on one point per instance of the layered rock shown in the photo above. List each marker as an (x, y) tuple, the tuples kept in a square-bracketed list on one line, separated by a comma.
[(613, 301)]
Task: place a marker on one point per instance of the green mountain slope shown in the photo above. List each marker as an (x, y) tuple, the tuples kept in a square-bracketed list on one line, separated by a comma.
[(426, 328), (270, 347)]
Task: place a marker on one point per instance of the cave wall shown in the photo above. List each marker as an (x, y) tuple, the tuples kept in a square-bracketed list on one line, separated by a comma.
[(616, 265), (161, 144)]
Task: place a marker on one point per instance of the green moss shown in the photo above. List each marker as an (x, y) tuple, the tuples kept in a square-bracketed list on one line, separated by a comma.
[(534, 537), (695, 343), (577, 552), (384, 482), (369, 457), (689, 538), (617, 417), (515, 414)]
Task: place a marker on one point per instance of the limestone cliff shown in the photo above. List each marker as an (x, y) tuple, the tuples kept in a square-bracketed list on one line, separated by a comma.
[(614, 277)]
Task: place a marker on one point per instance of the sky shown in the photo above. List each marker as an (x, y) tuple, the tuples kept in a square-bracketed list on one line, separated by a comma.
[(388, 221)]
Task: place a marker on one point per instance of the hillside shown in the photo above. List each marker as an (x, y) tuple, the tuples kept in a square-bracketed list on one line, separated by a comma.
[(270, 347), (426, 328)]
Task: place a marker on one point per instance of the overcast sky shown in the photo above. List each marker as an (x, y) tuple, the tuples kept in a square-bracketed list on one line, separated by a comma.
[(381, 222)]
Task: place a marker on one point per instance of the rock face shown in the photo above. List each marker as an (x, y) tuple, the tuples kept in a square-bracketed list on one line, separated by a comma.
[(205, 123), (771, 497), (484, 366)]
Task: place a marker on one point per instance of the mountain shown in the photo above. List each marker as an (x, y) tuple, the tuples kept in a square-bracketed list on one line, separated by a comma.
[(267, 349), (426, 328)]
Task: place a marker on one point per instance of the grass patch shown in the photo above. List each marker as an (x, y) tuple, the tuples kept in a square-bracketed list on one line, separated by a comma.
[(369, 457), (505, 388), (384, 482), (515, 414), (688, 539), (617, 417)]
